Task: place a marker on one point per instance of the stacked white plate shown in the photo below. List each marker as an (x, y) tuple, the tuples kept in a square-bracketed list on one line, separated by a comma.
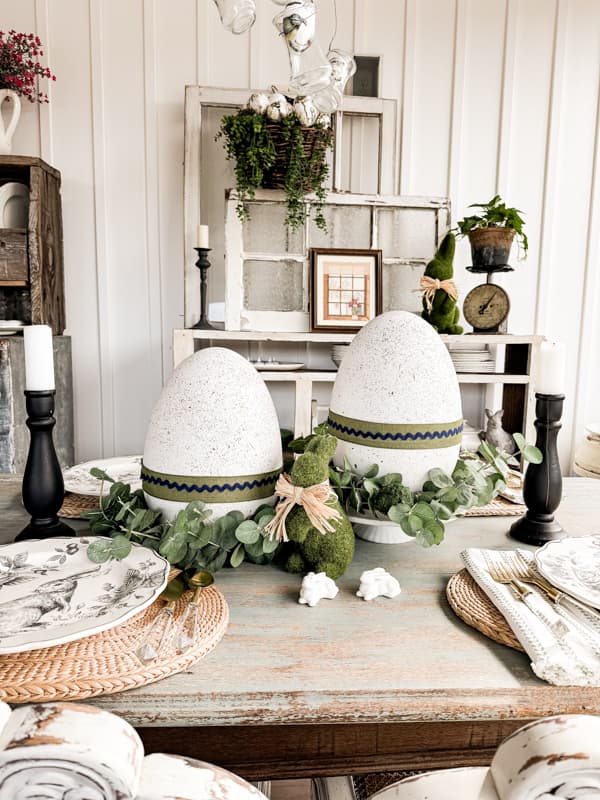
[(337, 353), (471, 357)]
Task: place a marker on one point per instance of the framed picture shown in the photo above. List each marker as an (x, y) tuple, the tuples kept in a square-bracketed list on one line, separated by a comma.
[(345, 289)]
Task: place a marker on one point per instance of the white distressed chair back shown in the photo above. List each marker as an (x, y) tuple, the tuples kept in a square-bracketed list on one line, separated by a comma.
[(556, 758)]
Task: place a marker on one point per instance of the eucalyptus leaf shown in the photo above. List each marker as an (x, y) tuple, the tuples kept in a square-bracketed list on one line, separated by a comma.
[(415, 522), (533, 454), (372, 471), (248, 532), (439, 478), (398, 512), (121, 547), (99, 551), (238, 555), (269, 545), (96, 472)]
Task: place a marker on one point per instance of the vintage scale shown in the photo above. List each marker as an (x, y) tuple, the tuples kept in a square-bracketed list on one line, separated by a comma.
[(486, 306)]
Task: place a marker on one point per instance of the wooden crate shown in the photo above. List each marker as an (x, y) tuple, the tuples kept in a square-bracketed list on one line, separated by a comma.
[(40, 298), (14, 268)]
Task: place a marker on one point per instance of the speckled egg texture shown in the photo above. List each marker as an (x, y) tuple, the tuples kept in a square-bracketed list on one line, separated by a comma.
[(396, 400), (213, 436)]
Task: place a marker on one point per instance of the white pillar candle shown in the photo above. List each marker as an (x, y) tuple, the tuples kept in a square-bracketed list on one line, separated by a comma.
[(39, 358), (202, 236), (551, 368)]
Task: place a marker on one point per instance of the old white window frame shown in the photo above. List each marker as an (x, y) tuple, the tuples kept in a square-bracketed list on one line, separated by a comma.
[(198, 98)]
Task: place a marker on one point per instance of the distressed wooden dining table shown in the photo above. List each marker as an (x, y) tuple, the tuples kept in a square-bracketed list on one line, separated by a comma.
[(350, 686)]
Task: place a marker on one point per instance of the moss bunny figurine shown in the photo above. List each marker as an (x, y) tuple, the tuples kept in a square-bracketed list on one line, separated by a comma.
[(440, 293), (309, 549)]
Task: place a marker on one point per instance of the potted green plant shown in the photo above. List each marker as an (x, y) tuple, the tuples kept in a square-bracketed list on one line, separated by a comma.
[(491, 232), (279, 146)]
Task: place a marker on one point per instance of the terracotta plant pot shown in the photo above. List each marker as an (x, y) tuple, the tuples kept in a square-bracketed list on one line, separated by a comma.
[(490, 247)]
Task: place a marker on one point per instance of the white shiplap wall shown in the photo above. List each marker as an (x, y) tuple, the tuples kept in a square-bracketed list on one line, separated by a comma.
[(494, 95)]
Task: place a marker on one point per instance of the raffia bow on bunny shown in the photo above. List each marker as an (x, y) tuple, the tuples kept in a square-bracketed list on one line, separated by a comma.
[(309, 517)]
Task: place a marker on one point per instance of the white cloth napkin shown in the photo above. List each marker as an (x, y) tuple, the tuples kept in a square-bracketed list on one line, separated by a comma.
[(568, 659)]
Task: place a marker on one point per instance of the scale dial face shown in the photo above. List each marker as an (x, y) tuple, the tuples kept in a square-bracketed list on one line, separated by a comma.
[(486, 307)]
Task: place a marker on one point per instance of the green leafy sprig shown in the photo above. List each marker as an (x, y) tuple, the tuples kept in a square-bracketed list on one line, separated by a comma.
[(249, 144), (495, 214), (191, 542)]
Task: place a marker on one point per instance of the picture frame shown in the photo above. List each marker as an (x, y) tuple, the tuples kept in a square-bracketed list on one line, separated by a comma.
[(345, 289)]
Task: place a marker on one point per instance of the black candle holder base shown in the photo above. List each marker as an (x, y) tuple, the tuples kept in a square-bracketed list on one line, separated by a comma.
[(537, 531), (45, 529), (203, 325), (542, 484)]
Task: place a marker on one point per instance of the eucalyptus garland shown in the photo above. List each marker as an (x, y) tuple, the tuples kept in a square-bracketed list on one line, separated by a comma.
[(476, 479), (191, 542)]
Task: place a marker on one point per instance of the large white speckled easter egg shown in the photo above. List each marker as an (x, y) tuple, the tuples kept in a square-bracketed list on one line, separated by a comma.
[(396, 401), (213, 436)]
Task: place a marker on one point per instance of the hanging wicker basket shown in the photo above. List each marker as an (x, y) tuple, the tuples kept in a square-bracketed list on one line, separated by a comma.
[(315, 139)]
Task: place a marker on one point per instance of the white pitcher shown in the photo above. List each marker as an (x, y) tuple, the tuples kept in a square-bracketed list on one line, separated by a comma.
[(8, 126)]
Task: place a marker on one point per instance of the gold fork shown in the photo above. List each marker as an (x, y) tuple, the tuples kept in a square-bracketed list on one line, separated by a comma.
[(502, 573), (528, 574)]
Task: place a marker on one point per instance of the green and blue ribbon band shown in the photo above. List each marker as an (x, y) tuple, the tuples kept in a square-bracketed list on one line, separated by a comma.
[(420, 436), (184, 488)]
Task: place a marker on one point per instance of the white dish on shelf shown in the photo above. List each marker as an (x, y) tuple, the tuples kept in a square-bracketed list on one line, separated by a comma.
[(275, 366), (126, 469), (14, 205), (573, 565), (10, 326), (52, 593)]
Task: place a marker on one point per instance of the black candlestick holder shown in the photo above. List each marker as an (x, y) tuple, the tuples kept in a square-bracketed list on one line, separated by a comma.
[(542, 484), (43, 487), (203, 264)]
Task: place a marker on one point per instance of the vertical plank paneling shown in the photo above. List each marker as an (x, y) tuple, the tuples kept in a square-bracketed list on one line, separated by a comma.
[(102, 233), (136, 368), (569, 187), (523, 140), (77, 143), (174, 23), (428, 98)]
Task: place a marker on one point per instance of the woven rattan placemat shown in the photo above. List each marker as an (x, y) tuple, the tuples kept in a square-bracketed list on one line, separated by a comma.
[(74, 505), (105, 663), (472, 605), (499, 507)]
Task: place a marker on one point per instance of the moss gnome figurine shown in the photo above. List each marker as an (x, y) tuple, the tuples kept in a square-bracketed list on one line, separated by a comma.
[(439, 290), (310, 516)]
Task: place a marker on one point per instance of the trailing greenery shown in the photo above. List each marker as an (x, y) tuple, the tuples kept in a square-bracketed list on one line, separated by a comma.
[(249, 144), (475, 481), (191, 542), (495, 214)]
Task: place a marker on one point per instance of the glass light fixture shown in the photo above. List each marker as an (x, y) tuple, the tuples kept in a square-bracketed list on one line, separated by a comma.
[(237, 16), (310, 69)]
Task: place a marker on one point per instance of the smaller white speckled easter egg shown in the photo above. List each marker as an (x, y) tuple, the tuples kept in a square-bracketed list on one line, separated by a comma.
[(213, 436), (396, 400)]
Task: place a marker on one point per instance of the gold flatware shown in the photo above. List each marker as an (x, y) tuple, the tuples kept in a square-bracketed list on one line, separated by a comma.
[(501, 573), (528, 574)]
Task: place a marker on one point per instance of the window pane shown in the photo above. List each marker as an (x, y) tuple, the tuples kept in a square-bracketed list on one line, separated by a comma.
[(347, 227), (273, 285), (266, 231), (407, 232)]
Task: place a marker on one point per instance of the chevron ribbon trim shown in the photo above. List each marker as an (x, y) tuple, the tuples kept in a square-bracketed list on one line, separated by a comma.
[(424, 436), (184, 489)]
